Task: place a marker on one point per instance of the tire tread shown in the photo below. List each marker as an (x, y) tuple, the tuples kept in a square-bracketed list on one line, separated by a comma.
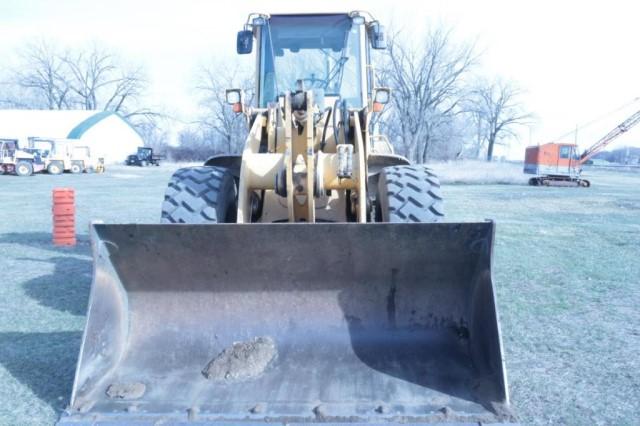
[(198, 195), (410, 194)]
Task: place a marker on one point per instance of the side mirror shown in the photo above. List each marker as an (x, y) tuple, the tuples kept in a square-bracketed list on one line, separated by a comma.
[(376, 35), (234, 98), (381, 97), (244, 43)]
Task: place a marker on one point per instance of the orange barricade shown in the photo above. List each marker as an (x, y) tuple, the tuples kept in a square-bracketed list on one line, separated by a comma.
[(64, 222)]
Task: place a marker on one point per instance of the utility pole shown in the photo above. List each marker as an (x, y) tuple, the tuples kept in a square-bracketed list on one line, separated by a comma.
[(626, 157)]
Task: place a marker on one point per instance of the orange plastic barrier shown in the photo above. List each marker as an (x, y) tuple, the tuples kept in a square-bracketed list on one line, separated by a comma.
[(64, 212)]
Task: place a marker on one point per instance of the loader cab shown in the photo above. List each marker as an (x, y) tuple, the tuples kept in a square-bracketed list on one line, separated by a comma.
[(8, 148), (11, 151), (52, 147), (46, 148), (326, 53)]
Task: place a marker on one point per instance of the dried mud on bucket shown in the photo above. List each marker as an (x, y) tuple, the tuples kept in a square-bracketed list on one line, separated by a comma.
[(242, 360), (126, 390)]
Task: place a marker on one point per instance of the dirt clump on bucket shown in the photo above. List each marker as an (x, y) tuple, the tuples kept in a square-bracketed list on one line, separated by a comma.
[(242, 360), (126, 390)]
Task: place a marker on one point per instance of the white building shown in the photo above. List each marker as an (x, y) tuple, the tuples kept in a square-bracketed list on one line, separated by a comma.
[(107, 133)]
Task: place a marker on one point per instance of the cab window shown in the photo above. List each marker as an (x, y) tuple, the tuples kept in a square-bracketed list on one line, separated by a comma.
[(565, 151)]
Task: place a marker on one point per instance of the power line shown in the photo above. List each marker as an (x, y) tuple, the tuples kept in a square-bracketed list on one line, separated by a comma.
[(595, 120)]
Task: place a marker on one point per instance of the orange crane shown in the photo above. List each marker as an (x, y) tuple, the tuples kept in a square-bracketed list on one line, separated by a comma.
[(559, 163)]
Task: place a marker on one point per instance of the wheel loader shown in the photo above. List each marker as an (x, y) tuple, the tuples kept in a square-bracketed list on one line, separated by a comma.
[(57, 155), (18, 161), (310, 279)]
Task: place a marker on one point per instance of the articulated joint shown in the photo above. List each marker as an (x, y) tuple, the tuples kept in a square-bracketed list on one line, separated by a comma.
[(332, 171)]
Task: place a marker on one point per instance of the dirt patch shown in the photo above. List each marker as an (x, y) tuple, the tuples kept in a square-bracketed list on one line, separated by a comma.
[(242, 360), (126, 390)]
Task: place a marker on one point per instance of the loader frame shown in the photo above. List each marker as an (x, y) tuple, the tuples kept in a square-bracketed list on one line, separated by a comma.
[(306, 167)]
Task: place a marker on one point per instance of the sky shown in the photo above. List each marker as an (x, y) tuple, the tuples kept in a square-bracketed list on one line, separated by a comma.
[(576, 61)]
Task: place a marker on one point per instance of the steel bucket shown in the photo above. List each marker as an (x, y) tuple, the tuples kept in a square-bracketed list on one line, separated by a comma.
[(372, 323)]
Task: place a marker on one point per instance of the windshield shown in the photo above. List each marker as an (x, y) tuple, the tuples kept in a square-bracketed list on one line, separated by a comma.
[(323, 51), (144, 153)]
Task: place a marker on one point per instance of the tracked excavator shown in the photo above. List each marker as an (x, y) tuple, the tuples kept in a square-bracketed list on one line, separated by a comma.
[(311, 278)]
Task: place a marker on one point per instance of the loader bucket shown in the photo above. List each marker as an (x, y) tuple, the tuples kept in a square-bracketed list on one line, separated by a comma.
[(288, 323)]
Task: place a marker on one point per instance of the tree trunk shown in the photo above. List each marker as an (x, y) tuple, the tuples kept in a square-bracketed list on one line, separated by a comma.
[(491, 141), (425, 151)]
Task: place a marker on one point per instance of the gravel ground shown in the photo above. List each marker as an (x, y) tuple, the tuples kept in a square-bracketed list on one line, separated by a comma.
[(567, 270)]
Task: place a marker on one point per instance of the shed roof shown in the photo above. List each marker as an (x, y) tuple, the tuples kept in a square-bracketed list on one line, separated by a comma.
[(86, 124), (69, 124)]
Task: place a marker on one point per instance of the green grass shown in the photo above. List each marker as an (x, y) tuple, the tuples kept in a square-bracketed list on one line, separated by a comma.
[(566, 267), (567, 270)]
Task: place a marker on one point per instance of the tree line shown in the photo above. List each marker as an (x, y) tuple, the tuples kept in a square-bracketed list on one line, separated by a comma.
[(441, 108)]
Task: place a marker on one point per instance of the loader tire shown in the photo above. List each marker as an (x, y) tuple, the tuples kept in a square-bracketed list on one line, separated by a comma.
[(200, 195), (24, 168), (76, 167), (55, 168), (408, 194)]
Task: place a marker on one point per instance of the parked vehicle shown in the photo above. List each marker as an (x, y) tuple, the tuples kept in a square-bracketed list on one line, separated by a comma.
[(90, 164), (60, 155), (17, 161), (144, 157), (559, 164)]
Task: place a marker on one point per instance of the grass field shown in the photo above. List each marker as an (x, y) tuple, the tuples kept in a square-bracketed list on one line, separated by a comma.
[(567, 270)]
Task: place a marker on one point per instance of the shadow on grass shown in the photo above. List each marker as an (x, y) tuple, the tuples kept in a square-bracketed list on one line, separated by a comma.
[(44, 362), (43, 241), (67, 287)]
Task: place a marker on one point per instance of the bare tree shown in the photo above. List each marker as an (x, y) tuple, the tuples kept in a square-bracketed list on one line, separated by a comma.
[(43, 73), (91, 79), (480, 131), (428, 82), (498, 111), (217, 118), (98, 80)]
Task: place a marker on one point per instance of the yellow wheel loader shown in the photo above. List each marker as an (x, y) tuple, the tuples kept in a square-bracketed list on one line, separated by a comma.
[(309, 279)]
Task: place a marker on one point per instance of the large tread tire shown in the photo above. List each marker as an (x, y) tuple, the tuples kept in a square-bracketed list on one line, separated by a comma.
[(409, 194), (200, 195)]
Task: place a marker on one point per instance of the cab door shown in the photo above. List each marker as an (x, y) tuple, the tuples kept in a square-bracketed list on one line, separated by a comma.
[(565, 154)]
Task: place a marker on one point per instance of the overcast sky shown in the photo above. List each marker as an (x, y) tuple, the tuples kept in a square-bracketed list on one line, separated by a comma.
[(577, 60)]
